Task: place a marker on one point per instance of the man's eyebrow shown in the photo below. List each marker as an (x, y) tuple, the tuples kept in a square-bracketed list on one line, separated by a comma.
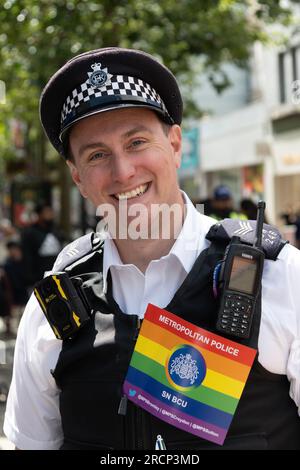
[(95, 145), (136, 129), (91, 146)]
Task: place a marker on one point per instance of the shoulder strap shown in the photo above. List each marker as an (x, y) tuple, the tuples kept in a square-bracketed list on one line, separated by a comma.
[(78, 249), (272, 242)]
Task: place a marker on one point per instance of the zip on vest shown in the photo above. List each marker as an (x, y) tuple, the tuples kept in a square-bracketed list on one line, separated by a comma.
[(122, 410), (140, 417), (139, 426)]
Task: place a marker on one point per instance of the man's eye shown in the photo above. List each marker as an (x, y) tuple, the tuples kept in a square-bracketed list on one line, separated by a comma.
[(137, 143), (98, 156)]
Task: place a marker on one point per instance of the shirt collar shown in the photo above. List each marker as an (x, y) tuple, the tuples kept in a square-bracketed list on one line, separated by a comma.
[(189, 244), (191, 239)]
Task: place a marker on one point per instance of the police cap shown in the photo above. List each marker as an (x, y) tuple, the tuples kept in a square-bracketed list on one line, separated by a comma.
[(104, 80), (222, 193)]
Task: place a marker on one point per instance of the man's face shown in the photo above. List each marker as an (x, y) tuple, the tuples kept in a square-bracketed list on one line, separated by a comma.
[(223, 204), (126, 154)]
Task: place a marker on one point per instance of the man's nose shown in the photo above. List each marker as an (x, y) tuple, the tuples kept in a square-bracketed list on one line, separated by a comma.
[(123, 168)]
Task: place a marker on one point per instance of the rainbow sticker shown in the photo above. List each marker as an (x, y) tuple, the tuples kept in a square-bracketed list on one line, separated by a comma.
[(187, 376)]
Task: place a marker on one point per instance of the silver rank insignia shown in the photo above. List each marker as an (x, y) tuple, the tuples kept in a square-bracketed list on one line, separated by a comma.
[(99, 77)]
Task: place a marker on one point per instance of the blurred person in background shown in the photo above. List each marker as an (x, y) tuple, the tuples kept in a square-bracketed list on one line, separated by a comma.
[(5, 302), (221, 205), (291, 217), (288, 215), (249, 209), (297, 232), (40, 244), (15, 271), (6, 228)]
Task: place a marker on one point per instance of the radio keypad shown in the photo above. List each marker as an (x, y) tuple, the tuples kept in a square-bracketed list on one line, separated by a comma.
[(235, 316)]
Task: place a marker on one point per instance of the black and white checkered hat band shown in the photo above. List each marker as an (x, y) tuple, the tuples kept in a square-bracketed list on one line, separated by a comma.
[(118, 88)]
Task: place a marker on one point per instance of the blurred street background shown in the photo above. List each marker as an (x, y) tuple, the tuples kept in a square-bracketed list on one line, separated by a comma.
[(238, 65), (5, 377)]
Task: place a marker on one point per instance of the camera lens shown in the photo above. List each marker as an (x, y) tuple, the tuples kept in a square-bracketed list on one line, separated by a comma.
[(59, 312)]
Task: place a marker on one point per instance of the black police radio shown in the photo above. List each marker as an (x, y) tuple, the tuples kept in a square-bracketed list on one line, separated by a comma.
[(64, 303), (240, 281)]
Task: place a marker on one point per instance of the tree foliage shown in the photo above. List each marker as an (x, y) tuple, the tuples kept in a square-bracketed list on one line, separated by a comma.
[(37, 37)]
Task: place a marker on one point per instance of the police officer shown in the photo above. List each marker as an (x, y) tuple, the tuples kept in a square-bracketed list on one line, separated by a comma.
[(114, 114), (221, 205), (40, 244)]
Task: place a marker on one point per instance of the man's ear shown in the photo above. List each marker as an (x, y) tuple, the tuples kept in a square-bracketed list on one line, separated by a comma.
[(76, 177), (176, 142)]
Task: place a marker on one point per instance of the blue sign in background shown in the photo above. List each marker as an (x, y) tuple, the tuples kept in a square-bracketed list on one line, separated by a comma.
[(190, 151)]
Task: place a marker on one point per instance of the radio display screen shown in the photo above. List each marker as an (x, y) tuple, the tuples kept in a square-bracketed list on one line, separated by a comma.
[(243, 274)]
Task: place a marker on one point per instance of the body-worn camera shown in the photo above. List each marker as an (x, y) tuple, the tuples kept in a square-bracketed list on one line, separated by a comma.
[(240, 282), (64, 303)]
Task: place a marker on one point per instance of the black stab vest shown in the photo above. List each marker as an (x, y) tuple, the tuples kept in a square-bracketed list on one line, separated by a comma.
[(92, 367)]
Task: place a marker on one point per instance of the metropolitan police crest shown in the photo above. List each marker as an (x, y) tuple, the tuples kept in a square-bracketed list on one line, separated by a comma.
[(185, 367), (99, 76)]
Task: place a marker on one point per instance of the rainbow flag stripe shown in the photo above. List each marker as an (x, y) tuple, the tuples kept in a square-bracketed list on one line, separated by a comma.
[(187, 376)]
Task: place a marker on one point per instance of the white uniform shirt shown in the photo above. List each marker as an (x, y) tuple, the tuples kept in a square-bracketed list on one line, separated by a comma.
[(32, 419)]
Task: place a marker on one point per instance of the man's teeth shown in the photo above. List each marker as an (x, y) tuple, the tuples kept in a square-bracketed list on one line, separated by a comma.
[(135, 192)]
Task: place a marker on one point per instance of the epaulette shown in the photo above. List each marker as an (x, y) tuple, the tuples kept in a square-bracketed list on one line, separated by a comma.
[(78, 249), (272, 242)]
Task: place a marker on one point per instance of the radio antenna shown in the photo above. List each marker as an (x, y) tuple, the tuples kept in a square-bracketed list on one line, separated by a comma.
[(259, 224)]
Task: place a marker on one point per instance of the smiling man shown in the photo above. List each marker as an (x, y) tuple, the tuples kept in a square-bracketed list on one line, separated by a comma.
[(114, 115), (116, 159)]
